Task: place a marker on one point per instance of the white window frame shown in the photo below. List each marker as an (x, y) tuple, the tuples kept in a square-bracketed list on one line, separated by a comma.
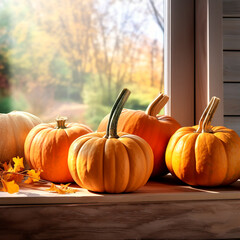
[(209, 57), (179, 61), (193, 62)]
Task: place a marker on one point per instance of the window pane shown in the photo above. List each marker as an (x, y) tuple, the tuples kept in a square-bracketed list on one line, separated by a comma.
[(71, 58)]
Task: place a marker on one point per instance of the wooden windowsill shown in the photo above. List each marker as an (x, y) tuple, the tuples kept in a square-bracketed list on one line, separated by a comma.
[(166, 209), (167, 189)]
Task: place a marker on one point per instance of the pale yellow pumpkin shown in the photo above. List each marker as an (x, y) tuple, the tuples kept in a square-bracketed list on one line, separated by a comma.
[(14, 128)]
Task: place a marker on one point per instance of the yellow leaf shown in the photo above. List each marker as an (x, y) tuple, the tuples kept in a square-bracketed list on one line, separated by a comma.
[(67, 189), (52, 188), (63, 189), (18, 164), (56, 189), (10, 187), (71, 190), (33, 176)]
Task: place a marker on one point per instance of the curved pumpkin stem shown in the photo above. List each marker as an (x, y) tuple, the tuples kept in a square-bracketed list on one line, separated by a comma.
[(115, 113), (61, 122), (206, 118), (157, 104), (207, 121)]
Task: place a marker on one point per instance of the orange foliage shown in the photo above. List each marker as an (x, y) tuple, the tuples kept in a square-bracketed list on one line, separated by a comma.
[(12, 176)]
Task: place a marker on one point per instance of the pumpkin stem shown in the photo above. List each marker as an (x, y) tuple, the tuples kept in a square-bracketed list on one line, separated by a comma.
[(157, 104), (115, 113), (61, 122), (206, 118)]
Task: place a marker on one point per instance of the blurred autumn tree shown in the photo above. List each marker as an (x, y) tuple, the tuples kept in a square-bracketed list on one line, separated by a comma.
[(4, 65), (80, 51)]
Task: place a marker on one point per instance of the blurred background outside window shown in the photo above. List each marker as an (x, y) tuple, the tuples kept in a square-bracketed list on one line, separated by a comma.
[(72, 57)]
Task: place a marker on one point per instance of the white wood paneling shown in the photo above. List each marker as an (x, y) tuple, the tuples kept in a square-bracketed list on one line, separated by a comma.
[(231, 66), (232, 99), (231, 33), (231, 8), (233, 123)]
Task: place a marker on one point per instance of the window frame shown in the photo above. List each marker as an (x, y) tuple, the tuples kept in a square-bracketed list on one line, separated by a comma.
[(191, 81), (179, 60), (209, 57)]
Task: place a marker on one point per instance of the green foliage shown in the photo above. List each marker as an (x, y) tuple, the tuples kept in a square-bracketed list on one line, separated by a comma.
[(5, 104), (10, 103), (96, 98), (140, 96), (59, 69)]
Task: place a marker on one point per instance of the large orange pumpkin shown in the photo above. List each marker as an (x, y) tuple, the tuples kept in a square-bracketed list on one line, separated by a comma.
[(14, 128), (155, 129), (111, 162), (204, 155), (46, 148)]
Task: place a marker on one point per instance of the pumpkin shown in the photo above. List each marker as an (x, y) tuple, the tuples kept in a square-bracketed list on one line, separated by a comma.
[(204, 155), (46, 148), (14, 128), (155, 129), (109, 161)]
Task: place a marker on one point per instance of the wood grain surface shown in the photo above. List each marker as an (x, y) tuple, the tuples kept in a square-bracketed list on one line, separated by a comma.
[(231, 66), (232, 99), (231, 8), (166, 189), (231, 63), (164, 209), (164, 220), (233, 123), (231, 33)]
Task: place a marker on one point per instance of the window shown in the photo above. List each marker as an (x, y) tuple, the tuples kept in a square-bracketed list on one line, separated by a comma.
[(73, 57), (29, 76)]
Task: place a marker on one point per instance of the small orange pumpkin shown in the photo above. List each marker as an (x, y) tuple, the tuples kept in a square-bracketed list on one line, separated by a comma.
[(46, 148), (155, 129), (111, 162), (14, 128), (204, 155)]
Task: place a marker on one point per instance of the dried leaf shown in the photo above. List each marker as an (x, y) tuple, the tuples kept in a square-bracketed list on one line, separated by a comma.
[(56, 189), (71, 190), (10, 187), (12, 176), (33, 176), (8, 167), (18, 164), (68, 189), (64, 186), (63, 189)]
